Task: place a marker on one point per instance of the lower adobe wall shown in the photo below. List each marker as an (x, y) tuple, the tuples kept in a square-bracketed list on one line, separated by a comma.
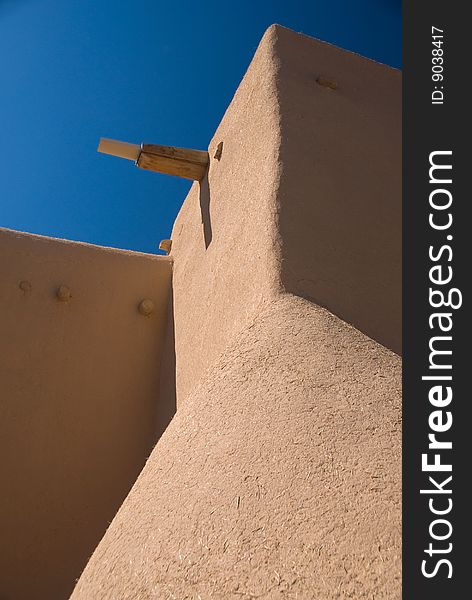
[(279, 476), (79, 404)]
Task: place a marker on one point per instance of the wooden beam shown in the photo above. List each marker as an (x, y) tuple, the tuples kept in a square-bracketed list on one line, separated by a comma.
[(120, 149), (181, 162)]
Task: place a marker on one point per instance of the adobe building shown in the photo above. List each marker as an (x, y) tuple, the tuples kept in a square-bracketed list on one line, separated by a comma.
[(272, 330)]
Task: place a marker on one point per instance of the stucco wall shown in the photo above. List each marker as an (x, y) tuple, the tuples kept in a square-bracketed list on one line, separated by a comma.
[(225, 265), (280, 475), (341, 188), (306, 198), (79, 407)]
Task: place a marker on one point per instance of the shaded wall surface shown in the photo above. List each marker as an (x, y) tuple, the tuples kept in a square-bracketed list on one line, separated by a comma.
[(79, 401), (280, 474), (340, 189)]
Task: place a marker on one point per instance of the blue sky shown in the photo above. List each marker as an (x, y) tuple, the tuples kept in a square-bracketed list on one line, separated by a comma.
[(149, 71)]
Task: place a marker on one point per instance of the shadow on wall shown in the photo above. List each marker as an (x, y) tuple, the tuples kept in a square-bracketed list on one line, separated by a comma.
[(340, 190), (167, 395), (205, 210)]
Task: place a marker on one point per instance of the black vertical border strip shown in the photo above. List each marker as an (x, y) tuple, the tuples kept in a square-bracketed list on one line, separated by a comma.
[(428, 128)]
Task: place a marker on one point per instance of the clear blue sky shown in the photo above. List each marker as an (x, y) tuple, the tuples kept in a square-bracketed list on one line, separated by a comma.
[(163, 72)]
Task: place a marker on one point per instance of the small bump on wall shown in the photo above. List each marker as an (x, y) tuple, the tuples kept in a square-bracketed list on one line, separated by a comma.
[(25, 286), (327, 83), (63, 293), (146, 307)]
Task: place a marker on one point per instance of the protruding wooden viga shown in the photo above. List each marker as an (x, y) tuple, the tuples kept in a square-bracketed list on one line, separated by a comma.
[(181, 162)]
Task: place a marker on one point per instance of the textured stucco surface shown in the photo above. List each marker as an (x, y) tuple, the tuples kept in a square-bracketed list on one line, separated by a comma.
[(340, 187), (280, 475), (79, 401), (306, 198), (224, 240)]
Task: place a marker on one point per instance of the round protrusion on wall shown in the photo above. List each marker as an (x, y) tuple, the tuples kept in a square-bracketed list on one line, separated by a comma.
[(146, 307), (63, 293), (327, 83), (25, 286)]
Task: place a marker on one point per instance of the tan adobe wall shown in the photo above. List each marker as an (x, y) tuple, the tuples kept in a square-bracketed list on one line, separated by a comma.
[(79, 405), (341, 187), (225, 265), (280, 475), (306, 198)]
